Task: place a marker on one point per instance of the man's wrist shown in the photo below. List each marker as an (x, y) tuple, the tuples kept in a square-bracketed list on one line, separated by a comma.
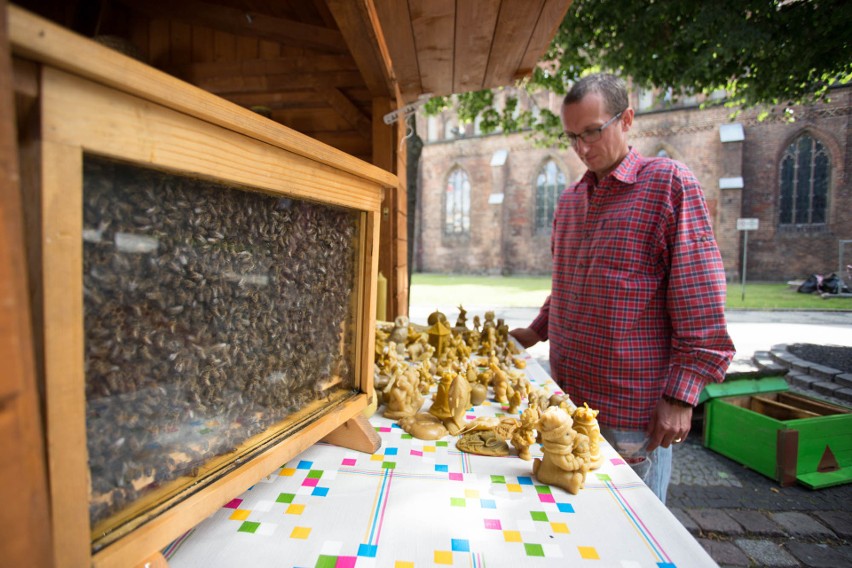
[(676, 402)]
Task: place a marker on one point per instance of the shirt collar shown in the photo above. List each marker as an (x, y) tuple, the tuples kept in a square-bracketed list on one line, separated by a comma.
[(626, 172)]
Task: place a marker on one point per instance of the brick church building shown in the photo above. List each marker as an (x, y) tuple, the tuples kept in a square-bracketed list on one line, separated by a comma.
[(485, 202)]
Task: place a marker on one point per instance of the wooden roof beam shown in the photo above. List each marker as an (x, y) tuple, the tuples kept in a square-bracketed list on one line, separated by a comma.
[(294, 99), (363, 34), (241, 22), (222, 85), (347, 109), (210, 70)]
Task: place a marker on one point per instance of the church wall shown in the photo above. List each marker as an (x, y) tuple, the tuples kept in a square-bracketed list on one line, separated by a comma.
[(503, 239)]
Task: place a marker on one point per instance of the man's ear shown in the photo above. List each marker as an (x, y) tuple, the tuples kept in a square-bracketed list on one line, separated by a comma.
[(627, 119)]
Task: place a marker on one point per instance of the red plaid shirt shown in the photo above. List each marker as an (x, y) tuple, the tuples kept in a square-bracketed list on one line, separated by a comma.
[(637, 306)]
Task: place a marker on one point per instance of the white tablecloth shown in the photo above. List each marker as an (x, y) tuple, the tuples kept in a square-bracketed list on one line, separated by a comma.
[(424, 503)]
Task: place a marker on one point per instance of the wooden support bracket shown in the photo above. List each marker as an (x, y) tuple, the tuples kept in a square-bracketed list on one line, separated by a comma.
[(787, 456), (356, 434)]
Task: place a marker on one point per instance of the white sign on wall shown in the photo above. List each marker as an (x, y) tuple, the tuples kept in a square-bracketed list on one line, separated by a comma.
[(747, 224)]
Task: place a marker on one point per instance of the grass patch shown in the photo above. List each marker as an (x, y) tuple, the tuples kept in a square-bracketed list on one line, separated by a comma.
[(771, 296), (495, 291), (531, 291)]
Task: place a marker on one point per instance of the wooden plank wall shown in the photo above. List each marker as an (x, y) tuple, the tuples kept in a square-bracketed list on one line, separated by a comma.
[(319, 94), (24, 519)]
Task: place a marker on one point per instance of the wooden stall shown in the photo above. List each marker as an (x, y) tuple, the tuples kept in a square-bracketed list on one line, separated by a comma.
[(330, 69), (146, 133)]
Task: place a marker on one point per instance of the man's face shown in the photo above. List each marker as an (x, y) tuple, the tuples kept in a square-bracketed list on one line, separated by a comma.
[(588, 115)]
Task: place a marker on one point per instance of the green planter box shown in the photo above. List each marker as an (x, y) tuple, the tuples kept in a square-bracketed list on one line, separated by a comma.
[(785, 436)]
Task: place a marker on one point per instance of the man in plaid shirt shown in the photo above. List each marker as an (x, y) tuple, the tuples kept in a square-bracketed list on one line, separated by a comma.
[(635, 318)]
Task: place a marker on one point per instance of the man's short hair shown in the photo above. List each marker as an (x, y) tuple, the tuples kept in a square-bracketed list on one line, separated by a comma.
[(611, 88)]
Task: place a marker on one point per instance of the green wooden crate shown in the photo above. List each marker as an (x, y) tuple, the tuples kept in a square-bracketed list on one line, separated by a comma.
[(785, 436)]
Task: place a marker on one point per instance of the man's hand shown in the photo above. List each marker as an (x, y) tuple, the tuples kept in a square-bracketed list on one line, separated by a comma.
[(525, 336), (670, 423)]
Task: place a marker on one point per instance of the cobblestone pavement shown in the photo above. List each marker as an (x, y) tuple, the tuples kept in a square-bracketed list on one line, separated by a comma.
[(745, 519)]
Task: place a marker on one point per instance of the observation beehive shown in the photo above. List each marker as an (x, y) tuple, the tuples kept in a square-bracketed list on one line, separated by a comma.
[(205, 292)]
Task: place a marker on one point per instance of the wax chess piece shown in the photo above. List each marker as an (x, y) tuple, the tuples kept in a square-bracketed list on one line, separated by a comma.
[(525, 434), (500, 384), (399, 333), (585, 422), (461, 322)]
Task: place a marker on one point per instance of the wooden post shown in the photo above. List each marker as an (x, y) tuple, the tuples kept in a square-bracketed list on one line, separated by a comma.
[(23, 478)]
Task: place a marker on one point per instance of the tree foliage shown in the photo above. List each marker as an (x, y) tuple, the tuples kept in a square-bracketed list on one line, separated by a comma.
[(770, 53)]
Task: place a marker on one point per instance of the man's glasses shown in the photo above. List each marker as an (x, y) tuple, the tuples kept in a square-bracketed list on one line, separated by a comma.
[(589, 136)]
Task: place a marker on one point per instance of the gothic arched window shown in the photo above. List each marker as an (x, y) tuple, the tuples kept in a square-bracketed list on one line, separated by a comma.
[(805, 173), (549, 185), (457, 203)]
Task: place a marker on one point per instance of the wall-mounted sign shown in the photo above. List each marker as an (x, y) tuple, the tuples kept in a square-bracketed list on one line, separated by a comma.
[(747, 224)]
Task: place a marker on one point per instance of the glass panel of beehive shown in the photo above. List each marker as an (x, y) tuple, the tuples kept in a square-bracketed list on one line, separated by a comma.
[(211, 314)]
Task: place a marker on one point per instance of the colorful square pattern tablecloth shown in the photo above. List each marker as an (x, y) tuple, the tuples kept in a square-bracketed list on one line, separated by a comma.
[(421, 503)]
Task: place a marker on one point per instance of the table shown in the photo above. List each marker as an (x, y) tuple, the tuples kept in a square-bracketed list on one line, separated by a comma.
[(424, 503)]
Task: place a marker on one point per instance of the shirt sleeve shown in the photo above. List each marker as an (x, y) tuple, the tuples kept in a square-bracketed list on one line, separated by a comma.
[(701, 346), (540, 323)]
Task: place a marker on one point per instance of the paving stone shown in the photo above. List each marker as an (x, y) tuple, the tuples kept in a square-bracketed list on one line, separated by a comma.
[(831, 399), (687, 521), (766, 553), (800, 365), (756, 523), (844, 379), (801, 524), (801, 380), (783, 358), (724, 553), (840, 522), (823, 372), (821, 555), (716, 521), (765, 361), (826, 387), (844, 394)]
